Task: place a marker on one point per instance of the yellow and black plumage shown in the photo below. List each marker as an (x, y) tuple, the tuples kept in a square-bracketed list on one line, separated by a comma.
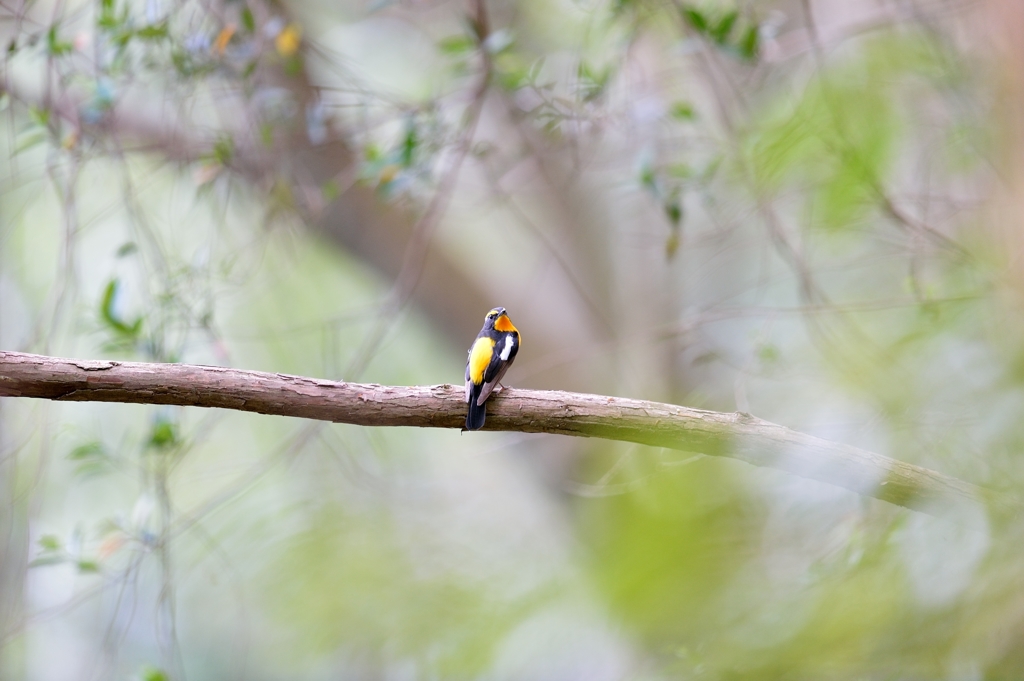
[(490, 357)]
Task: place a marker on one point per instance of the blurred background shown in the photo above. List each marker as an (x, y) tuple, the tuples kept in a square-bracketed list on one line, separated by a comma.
[(806, 210)]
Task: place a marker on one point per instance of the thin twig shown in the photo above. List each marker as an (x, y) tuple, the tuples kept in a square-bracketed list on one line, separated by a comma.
[(422, 232)]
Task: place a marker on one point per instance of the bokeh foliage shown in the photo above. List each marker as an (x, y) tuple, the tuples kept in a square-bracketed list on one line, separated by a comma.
[(782, 208)]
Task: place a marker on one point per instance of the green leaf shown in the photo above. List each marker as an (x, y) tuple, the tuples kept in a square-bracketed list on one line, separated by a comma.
[(54, 45), (456, 45), (648, 178), (844, 196), (39, 115), (107, 314), (248, 22), (696, 19), (768, 353), (267, 134), (87, 566), (620, 6), (92, 459), (840, 139), (749, 44), (682, 111), (711, 169), (293, 67), (409, 144), (223, 150), (122, 38), (127, 248), (329, 191), (148, 673), (681, 171), (153, 31), (720, 32), (107, 22), (593, 82), (164, 435), (534, 71), (48, 559), (49, 542), (674, 211), (86, 451), (672, 243), (188, 66), (107, 304), (513, 72)]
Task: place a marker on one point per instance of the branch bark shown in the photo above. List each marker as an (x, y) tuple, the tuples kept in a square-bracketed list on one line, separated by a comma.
[(739, 436)]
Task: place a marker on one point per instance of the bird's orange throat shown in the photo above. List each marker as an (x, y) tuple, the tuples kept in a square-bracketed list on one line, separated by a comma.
[(503, 323)]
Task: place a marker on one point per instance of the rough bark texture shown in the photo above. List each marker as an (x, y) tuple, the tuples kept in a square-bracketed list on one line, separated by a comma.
[(739, 436)]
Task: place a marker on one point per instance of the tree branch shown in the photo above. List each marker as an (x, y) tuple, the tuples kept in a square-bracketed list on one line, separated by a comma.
[(739, 436)]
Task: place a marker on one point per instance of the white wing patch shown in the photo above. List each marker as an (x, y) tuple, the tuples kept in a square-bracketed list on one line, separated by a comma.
[(509, 342)]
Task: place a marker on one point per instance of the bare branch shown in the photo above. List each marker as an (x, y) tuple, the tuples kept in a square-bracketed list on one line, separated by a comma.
[(739, 436)]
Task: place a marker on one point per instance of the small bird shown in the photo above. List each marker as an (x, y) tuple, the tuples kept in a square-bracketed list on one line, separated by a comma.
[(490, 357)]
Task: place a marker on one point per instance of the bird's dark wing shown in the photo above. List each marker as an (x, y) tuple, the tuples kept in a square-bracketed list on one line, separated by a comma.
[(495, 370)]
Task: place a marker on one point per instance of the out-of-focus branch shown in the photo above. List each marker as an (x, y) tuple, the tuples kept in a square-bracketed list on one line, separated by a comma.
[(370, 228), (739, 436), (415, 255)]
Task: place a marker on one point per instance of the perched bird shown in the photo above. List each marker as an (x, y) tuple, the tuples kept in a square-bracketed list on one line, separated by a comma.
[(489, 358)]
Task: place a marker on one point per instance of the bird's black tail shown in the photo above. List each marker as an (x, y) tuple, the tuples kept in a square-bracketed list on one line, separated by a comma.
[(477, 413)]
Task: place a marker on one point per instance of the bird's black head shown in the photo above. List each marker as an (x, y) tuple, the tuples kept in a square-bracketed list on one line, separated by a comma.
[(498, 320)]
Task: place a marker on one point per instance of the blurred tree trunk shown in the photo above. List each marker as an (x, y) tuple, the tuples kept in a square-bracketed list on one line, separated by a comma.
[(13, 548), (1004, 29)]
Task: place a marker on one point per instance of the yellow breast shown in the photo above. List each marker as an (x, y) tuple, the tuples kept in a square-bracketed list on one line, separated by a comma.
[(479, 358)]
